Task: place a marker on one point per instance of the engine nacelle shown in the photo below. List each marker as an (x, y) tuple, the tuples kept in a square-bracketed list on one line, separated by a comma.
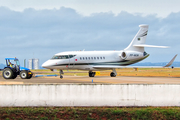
[(130, 55)]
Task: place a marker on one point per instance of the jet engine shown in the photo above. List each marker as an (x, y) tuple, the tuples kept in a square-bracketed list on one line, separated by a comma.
[(130, 55), (123, 55)]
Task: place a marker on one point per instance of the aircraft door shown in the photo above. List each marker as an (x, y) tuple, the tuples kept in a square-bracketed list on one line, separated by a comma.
[(71, 61)]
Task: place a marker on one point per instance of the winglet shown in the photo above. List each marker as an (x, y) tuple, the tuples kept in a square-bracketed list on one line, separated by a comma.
[(169, 64)]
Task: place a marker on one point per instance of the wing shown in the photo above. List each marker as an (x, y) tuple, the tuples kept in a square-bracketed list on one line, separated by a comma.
[(115, 67)]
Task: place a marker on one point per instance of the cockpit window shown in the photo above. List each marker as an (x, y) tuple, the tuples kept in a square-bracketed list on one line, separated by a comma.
[(62, 56), (70, 56)]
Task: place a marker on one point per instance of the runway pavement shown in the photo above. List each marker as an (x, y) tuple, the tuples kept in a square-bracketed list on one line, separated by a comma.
[(96, 80)]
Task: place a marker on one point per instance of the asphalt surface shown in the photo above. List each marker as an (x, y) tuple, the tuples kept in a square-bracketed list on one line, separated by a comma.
[(92, 80)]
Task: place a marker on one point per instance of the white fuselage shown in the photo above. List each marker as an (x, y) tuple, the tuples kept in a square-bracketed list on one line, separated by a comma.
[(87, 60), (103, 60)]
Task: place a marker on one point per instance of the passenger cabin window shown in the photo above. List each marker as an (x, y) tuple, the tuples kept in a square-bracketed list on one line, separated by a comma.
[(62, 56), (91, 58)]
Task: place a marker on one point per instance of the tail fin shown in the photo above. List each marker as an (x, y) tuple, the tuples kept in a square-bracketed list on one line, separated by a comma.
[(138, 42), (140, 38)]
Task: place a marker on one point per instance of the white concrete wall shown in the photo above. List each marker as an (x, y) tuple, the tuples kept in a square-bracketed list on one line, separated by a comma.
[(89, 95)]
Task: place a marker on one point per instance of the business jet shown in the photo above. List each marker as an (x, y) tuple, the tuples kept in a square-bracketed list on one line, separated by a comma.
[(103, 60)]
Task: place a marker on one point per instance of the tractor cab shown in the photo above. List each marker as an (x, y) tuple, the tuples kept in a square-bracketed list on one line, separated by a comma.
[(13, 63), (13, 69)]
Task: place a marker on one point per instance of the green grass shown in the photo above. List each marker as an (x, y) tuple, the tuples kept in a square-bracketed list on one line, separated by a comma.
[(160, 72), (90, 113), (146, 72)]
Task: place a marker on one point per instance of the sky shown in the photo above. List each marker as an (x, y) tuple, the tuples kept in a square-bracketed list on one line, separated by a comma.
[(42, 28)]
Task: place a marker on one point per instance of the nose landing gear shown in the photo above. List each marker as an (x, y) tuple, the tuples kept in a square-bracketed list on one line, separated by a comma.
[(61, 72)]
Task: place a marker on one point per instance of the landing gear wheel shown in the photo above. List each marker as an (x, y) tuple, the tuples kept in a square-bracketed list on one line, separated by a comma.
[(7, 73), (113, 74), (24, 74), (61, 76), (92, 74), (61, 72)]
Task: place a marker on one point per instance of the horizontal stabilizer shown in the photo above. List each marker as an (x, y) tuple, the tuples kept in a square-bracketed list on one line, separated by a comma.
[(144, 45)]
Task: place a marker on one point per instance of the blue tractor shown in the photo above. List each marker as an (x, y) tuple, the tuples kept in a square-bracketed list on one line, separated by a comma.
[(13, 69)]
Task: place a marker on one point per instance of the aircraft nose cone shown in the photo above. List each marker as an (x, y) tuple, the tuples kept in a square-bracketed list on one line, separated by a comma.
[(45, 64)]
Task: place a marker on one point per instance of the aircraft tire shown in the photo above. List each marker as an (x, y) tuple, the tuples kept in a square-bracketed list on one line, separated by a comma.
[(92, 74), (113, 74), (61, 76)]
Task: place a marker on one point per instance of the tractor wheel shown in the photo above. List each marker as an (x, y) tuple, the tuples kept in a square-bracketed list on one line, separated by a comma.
[(14, 76), (24, 74), (8, 73), (29, 77)]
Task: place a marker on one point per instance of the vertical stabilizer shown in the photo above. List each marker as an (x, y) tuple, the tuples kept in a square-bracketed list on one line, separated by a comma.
[(139, 39)]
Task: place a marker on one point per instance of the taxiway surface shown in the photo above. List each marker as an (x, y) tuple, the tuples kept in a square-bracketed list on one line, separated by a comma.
[(96, 80)]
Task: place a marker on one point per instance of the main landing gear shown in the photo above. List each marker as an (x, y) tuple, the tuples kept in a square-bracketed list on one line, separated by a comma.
[(61, 72), (114, 73), (92, 74)]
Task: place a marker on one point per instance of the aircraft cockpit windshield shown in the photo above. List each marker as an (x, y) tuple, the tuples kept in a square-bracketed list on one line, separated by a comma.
[(62, 56)]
